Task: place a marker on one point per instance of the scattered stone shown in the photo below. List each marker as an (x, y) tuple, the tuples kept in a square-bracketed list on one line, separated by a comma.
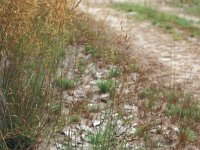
[(88, 87), (132, 131), (67, 133), (153, 130), (65, 95), (130, 117), (126, 91), (134, 125), (115, 115), (69, 98), (59, 146), (99, 75), (175, 128), (79, 94), (122, 130), (93, 107), (93, 82), (135, 76), (119, 122), (104, 98), (130, 108), (86, 79), (85, 128), (53, 148), (90, 68), (96, 123)]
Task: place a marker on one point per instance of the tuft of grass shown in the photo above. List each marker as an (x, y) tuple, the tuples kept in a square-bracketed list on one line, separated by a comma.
[(187, 135), (142, 130), (150, 95), (183, 107), (91, 50), (75, 118), (168, 22), (65, 83), (105, 137), (93, 108), (106, 85), (113, 73), (185, 111), (81, 65)]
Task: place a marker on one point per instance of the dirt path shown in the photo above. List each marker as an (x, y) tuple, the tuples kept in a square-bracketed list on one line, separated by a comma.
[(172, 61)]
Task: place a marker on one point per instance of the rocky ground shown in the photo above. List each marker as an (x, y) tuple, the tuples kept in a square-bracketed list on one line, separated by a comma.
[(96, 111), (176, 61), (134, 122)]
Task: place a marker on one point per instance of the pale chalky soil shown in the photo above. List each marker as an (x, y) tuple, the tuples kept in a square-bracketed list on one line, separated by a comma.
[(176, 61)]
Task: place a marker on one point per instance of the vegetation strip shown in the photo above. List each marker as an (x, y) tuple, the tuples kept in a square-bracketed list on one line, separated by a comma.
[(190, 6), (167, 21)]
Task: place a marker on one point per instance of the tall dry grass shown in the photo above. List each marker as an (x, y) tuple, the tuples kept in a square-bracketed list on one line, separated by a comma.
[(33, 35)]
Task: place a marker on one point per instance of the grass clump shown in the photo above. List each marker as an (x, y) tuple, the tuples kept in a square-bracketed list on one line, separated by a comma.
[(187, 135), (185, 111), (183, 107), (91, 50), (81, 65), (113, 73), (105, 138), (65, 83), (75, 118), (168, 22), (106, 85), (93, 108), (142, 130), (150, 95)]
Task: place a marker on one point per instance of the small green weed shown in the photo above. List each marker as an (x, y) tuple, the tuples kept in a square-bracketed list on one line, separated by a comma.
[(141, 130), (187, 135), (183, 107), (69, 38), (65, 83), (106, 85), (62, 54), (91, 50), (113, 73), (81, 65), (75, 118), (54, 107), (105, 138), (93, 108), (127, 121), (151, 95)]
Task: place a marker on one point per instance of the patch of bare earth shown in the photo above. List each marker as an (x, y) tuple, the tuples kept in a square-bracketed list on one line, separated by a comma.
[(170, 62), (139, 122), (173, 61)]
